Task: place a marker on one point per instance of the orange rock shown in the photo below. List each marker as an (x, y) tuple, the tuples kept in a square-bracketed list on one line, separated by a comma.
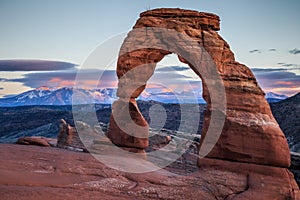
[(125, 114), (31, 172), (260, 181), (38, 141), (250, 133), (69, 138)]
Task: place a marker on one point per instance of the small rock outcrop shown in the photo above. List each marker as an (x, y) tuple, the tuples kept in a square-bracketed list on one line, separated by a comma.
[(38, 141), (68, 137)]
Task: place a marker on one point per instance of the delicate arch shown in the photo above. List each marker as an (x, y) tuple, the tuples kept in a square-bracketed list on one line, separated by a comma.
[(254, 140)]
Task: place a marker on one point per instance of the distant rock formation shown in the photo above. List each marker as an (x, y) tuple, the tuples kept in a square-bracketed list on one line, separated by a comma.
[(250, 137), (68, 138)]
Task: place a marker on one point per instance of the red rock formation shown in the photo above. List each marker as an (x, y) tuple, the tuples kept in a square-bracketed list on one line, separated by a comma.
[(38, 141), (68, 138), (250, 137), (250, 132), (118, 136)]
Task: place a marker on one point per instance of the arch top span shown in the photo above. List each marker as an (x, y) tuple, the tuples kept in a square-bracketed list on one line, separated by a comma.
[(202, 19)]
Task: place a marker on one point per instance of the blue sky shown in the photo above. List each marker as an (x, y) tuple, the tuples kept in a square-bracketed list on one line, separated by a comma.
[(262, 34)]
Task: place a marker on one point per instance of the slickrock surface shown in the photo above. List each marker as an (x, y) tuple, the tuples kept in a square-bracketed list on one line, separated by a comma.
[(32, 172)]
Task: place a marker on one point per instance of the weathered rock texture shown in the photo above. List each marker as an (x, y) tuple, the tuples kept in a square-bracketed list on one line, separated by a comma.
[(250, 133), (39, 141), (68, 137), (250, 137), (31, 172)]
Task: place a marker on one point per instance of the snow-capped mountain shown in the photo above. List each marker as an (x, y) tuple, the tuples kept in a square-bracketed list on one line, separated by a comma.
[(61, 96), (273, 97), (69, 96), (172, 97)]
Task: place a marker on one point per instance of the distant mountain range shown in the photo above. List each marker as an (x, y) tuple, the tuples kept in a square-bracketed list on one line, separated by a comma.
[(287, 114), (273, 97), (61, 96), (64, 96)]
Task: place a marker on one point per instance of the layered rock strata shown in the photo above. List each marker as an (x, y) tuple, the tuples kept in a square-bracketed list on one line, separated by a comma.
[(251, 143), (250, 132)]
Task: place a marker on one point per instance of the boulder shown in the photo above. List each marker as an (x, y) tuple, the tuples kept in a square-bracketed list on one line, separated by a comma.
[(38, 141)]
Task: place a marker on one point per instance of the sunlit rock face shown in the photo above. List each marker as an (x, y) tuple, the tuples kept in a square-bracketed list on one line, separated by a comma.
[(250, 133), (250, 136)]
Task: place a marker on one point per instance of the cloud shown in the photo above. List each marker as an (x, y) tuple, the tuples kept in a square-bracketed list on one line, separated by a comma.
[(8, 95), (90, 79), (167, 77), (86, 78), (173, 81), (262, 70), (172, 68), (34, 65), (255, 51), (294, 51), (287, 64), (272, 49), (280, 80)]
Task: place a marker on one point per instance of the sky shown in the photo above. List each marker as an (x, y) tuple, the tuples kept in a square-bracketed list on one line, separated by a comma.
[(264, 35)]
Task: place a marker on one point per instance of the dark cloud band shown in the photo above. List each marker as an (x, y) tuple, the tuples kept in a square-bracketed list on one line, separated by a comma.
[(295, 51), (255, 51), (90, 78), (261, 70), (172, 68), (59, 78), (277, 78), (34, 65)]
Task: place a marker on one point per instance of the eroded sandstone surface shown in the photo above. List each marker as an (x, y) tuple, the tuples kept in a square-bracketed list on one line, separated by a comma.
[(32, 172)]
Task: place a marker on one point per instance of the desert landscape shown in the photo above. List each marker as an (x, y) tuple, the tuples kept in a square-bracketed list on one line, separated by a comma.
[(231, 140)]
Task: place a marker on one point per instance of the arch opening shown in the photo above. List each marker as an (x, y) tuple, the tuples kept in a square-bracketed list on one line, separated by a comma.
[(172, 84)]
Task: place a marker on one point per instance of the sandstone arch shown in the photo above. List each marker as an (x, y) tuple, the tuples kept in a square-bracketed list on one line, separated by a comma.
[(250, 132)]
